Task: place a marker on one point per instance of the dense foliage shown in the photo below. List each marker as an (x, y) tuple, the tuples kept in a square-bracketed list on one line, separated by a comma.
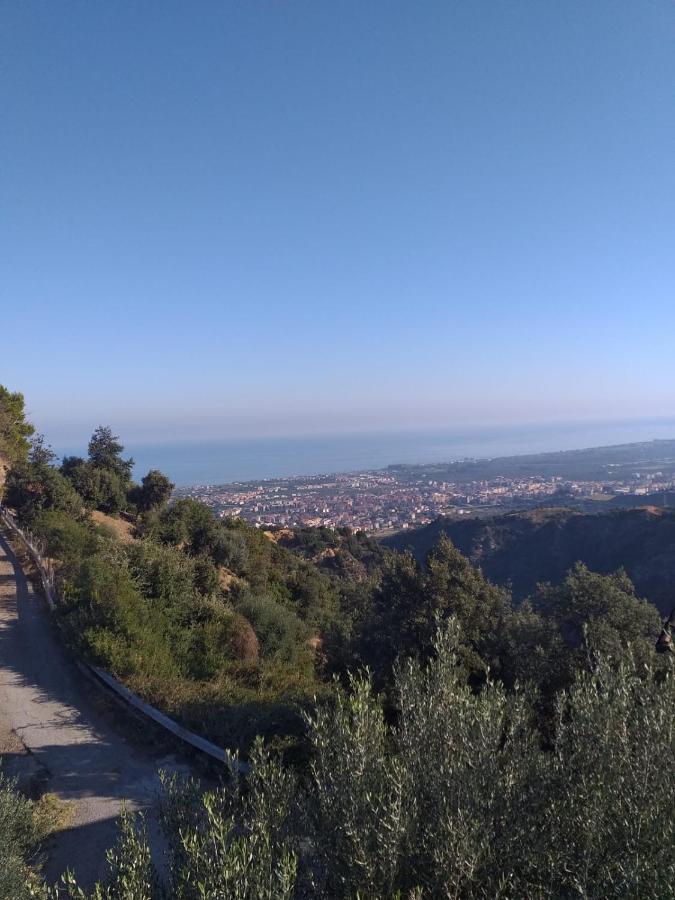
[(15, 431), (457, 799), (211, 620), (520, 549)]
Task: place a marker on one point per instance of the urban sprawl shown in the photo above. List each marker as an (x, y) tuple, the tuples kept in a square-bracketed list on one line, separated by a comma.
[(385, 500)]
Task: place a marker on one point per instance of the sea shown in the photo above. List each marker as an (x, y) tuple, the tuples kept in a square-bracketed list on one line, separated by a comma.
[(202, 462)]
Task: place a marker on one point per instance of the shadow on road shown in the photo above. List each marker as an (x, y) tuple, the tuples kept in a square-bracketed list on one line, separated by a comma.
[(79, 745)]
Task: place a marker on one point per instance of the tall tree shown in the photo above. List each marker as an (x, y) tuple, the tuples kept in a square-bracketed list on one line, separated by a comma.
[(15, 431), (105, 452), (41, 454), (154, 491)]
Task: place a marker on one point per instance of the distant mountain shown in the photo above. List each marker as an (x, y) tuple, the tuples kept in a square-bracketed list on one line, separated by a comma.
[(613, 463), (524, 548)]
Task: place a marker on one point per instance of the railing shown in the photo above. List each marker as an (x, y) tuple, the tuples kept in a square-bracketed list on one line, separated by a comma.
[(37, 549)]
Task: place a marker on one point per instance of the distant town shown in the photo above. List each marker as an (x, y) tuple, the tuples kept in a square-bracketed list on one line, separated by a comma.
[(402, 497)]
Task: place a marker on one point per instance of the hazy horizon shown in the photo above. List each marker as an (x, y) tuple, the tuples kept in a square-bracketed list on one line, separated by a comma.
[(190, 461), (78, 435)]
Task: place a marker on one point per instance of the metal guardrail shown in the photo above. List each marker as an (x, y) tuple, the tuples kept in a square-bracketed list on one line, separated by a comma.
[(36, 549)]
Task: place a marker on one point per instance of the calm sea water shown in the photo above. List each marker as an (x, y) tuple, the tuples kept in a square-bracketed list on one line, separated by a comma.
[(215, 462)]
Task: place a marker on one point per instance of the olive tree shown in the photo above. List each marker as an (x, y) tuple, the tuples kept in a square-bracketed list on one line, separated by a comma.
[(456, 795)]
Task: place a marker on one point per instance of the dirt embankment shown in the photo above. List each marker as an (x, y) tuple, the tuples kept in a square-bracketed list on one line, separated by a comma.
[(121, 528)]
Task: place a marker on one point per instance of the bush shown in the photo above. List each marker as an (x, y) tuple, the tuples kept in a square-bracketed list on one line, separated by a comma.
[(109, 621), (31, 488), (20, 834), (279, 630), (456, 799), (68, 540), (221, 637), (102, 489), (165, 576)]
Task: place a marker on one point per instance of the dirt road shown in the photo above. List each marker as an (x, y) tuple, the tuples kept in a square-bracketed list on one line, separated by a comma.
[(59, 734)]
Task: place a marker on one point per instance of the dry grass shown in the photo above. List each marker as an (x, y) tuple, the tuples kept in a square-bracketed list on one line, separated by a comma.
[(51, 814), (120, 528), (227, 579), (281, 536)]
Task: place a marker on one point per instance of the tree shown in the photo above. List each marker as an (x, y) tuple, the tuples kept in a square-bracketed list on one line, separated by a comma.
[(105, 452), (601, 609), (70, 463), (396, 620), (33, 487), (154, 491), (103, 480), (408, 603), (532, 651), (15, 431), (102, 489), (455, 587), (41, 454)]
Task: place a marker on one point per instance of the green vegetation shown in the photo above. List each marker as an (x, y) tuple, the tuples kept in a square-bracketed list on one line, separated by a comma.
[(23, 827), (519, 550), (17, 841), (234, 631), (459, 798), (15, 431), (212, 621), (411, 730)]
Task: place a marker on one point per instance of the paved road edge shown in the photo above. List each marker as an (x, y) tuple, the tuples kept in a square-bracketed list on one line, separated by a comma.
[(102, 678)]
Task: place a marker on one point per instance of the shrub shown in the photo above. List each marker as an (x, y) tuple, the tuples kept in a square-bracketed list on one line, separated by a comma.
[(165, 576), (457, 798), (222, 636), (20, 833), (103, 489), (68, 540), (31, 488), (279, 630)]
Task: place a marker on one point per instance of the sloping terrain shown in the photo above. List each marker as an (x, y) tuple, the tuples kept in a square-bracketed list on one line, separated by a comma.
[(56, 734), (522, 549), (116, 525)]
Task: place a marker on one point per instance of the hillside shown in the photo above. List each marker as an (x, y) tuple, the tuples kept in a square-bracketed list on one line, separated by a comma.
[(524, 548), (341, 553), (590, 464)]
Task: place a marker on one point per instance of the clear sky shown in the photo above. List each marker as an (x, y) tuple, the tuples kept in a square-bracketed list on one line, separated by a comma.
[(240, 218)]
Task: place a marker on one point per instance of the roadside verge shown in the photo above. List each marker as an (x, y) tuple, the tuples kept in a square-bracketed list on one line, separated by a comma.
[(102, 678)]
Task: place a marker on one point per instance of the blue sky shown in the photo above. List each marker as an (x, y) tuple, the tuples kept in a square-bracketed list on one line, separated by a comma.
[(227, 218)]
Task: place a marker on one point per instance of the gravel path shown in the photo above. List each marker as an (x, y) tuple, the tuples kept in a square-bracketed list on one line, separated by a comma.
[(58, 733)]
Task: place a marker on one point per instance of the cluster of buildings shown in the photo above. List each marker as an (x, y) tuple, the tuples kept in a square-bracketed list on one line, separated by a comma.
[(381, 501)]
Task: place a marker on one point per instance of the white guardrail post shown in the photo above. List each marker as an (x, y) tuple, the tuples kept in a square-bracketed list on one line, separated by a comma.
[(47, 576)]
